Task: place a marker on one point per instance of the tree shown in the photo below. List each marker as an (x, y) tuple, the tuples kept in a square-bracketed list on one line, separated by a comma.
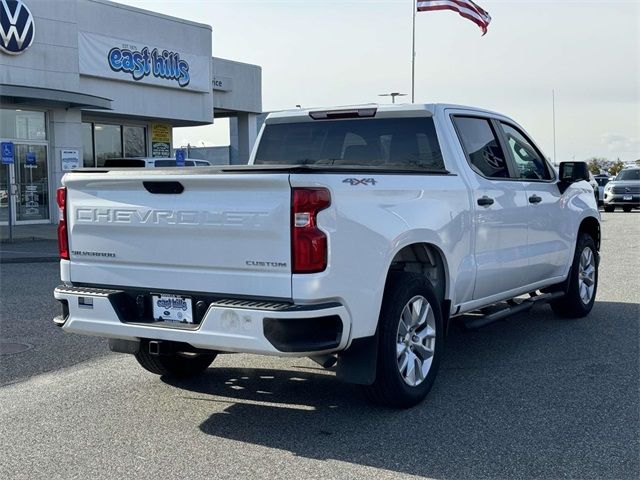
[(597, 164), (616, 167), (638, 162)]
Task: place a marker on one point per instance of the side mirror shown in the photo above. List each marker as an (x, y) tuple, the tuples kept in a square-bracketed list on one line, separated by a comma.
[(571, 172)]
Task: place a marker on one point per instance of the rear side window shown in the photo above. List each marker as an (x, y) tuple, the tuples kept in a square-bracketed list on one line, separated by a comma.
[(481, 144), (393, 143), (529, 162)]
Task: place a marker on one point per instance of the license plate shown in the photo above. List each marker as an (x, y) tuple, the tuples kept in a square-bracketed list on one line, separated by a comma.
[(172, 308), (627, 198)]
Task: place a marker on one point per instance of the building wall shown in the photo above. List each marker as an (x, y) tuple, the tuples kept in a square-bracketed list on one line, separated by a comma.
[(144, 28), (52, 60), (237, 87), (68, 31)]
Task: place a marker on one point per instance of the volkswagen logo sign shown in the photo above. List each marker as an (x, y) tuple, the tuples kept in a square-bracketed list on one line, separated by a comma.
[(16, 27)]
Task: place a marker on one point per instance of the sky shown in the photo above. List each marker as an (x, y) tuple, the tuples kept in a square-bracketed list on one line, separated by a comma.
[(330, 52)]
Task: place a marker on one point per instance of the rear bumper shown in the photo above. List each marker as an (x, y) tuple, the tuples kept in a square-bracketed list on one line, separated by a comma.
[(226, 325)]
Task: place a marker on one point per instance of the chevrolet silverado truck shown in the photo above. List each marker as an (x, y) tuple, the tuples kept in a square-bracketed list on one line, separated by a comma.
[(353, 237)]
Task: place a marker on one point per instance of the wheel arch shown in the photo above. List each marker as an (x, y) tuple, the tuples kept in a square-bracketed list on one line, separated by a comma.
[(591, 226), (427, 259)]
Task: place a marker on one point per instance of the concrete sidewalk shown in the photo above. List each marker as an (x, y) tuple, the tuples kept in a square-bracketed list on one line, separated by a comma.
[(31, 243)]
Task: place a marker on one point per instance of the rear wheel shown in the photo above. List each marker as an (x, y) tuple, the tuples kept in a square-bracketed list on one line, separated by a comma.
[(410, 342), (609, 208), (178, 365), (627, 209), (583, 281)]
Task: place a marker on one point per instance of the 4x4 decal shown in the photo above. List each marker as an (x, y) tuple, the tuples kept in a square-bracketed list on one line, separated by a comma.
[(360, 181)]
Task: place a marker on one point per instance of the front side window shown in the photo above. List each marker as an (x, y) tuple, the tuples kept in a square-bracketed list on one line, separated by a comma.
[(481, 144), (392, 143), (530, 164)]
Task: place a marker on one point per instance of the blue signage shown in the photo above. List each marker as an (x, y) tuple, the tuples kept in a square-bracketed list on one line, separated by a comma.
[(7, 153), (139, 64), (180, 155), (31, 158)]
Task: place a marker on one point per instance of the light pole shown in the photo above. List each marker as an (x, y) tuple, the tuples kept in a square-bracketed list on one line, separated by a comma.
[(393, 95)]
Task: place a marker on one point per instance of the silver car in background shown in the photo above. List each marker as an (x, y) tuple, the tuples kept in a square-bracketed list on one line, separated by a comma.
[(623, 191)]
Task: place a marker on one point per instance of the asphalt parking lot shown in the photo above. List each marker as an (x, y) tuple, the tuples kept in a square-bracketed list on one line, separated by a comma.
[(535, 396)]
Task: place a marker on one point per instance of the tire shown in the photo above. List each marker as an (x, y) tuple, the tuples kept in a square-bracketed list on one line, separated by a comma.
[(573, 304), (609, 208), (627, 209), (176, 365), (392, 386)]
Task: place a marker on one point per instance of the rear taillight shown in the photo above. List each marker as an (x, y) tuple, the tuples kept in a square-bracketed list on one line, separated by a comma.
[(308, 242), (63, 237)]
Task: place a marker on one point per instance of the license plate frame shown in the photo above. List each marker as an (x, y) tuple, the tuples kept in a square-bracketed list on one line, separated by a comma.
[(627, 198), (172, 307)]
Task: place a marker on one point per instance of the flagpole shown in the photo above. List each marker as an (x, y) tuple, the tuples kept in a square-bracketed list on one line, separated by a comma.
[(553, 107), (413, 54)]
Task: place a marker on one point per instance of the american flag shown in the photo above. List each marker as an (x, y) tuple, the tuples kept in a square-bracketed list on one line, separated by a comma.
[(465, 8)]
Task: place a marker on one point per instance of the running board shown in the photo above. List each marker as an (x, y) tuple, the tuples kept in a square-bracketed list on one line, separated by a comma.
[(479, 321)]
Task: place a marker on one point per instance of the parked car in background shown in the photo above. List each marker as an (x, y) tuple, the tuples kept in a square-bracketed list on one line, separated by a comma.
[(602, 180), (152, 162), (595, 186), (623, 191)]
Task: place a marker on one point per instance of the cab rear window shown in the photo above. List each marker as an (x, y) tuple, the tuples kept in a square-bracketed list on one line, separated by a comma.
[(384, 143)]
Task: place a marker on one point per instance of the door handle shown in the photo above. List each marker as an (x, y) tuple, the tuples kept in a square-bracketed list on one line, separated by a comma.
[(534, 199), (485, 201)]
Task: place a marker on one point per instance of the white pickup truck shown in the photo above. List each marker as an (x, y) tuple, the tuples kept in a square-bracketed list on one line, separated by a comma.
[(353, 237)]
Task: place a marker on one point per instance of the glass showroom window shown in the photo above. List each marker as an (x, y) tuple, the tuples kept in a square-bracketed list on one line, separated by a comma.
[(108, 142), (20, 124), (88, 160), (101, 141), (134, 142)]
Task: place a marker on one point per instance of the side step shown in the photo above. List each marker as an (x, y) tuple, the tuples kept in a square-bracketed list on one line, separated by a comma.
[(474, 322)]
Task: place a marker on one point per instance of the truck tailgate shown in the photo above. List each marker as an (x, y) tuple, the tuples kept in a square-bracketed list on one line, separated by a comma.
[(223, 233)]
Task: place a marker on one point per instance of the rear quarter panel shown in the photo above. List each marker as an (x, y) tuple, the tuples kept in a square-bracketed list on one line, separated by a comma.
[(367, 224)]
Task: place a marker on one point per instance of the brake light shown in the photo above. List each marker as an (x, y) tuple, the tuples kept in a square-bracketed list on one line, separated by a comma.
[(344, 113), (308, 242), (63, 236)]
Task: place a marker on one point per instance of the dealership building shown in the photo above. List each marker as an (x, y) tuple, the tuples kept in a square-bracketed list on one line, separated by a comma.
[(82, 81)]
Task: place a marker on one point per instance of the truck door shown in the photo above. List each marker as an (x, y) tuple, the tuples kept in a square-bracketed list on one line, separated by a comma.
[(550, 231), (500, 209)]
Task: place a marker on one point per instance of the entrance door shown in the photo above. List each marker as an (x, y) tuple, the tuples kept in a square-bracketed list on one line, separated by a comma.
[(30, 171), (30, 194)]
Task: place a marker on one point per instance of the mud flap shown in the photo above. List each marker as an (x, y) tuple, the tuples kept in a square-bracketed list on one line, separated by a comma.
[(358, 363)]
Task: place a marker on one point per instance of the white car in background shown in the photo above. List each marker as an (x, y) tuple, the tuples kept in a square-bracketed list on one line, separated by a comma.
[(152, 162)]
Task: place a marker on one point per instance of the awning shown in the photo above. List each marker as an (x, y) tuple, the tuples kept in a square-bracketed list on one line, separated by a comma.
[(48, 97)]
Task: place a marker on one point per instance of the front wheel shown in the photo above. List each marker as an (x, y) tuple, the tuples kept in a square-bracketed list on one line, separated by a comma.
[(583, 281), (609, 208), (410, 342)]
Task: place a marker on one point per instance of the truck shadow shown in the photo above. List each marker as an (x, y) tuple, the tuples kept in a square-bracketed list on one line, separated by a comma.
[(534, 396)]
